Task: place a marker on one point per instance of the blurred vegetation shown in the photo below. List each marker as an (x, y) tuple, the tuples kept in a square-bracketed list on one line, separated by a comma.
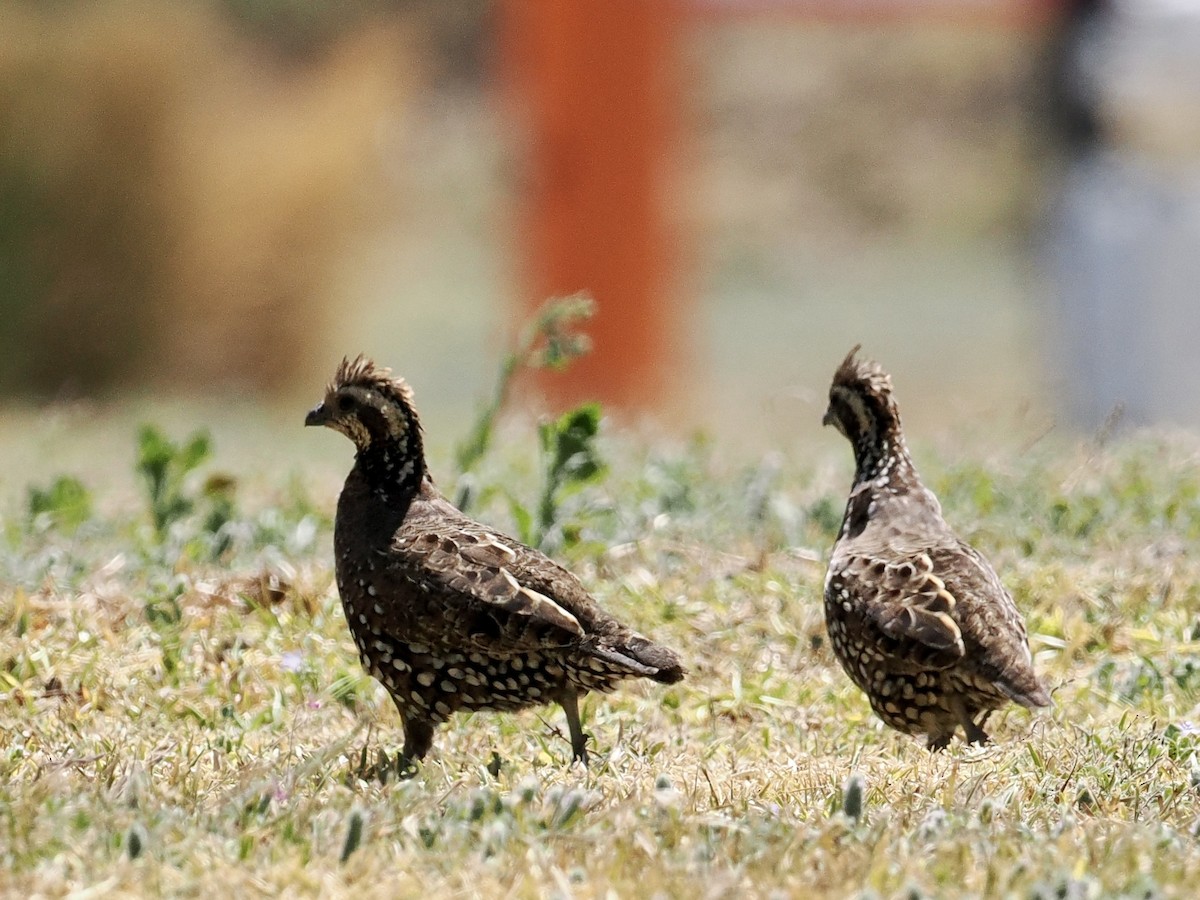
[(170, 179), (173, 200), (452, 32), (299, 28), (568, 444), (572, 462), (65, 504), (552, 340)]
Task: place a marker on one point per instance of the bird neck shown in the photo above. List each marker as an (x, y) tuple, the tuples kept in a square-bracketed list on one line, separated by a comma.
[(881, 459), (883, 469), (393, 469)]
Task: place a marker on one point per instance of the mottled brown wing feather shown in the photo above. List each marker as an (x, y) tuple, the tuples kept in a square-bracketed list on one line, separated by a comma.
[(507, 598), (472, 583), (911, 607), (531, 567), (993, 629), (923, 610)]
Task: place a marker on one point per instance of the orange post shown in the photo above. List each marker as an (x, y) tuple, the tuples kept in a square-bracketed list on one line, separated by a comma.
[(594, 92)]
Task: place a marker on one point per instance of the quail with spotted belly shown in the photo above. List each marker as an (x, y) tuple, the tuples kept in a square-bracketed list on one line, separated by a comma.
[(917, 618), (447, 614)]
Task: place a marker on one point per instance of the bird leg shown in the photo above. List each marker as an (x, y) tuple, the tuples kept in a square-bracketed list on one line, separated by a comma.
[(974, 728), (569, 699), (418, 738), (938, 741)]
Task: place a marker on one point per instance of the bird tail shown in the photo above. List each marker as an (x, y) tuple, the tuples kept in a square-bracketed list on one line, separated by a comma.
[(665, 663), (636, 655), (1027, 691)]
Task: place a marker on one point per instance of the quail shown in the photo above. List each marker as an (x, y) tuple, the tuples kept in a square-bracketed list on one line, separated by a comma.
[(917, 618), (448, 614)]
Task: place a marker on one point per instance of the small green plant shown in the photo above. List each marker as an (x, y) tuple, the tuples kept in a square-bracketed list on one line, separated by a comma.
[(550, 341), (572, 462), (174, 496), (165, 466), (218, 494), (65, 504)]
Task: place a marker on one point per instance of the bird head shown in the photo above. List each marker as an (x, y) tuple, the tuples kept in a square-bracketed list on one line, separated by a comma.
[(371, 407), (861, 405)]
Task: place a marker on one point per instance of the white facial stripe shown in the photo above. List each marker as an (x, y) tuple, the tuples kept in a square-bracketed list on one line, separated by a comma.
[(854, 403)]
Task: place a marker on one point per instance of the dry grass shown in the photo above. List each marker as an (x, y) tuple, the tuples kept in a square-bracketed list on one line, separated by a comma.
[(221, 752)]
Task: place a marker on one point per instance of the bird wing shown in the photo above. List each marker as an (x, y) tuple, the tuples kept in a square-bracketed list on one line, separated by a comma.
[(908, 606), (992, 627), (472, 581), (445, 578)]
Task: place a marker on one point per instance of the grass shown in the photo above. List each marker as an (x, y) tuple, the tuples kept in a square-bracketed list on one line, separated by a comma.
[(182, 710)]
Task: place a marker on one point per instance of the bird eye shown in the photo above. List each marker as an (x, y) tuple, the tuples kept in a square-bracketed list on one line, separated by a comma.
[(344, 402)]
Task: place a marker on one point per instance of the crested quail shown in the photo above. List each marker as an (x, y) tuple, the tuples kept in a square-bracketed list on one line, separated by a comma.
[(446, 613), (918, 619)]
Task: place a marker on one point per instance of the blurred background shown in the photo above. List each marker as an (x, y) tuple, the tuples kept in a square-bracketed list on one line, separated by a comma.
[(204, 205)]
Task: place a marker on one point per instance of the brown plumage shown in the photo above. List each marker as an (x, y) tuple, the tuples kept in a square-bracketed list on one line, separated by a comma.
[(448, 614), (918, 619)]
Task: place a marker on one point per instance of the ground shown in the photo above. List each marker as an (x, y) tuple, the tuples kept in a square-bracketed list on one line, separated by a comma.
[(182, 710)]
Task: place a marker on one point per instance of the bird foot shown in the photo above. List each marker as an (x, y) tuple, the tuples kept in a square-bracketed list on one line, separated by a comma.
[(977, 736), (939, 742), (400, 767), (579, 751)]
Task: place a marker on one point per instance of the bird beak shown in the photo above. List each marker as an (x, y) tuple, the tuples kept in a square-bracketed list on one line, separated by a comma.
[(828, 420), (317, 415)]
